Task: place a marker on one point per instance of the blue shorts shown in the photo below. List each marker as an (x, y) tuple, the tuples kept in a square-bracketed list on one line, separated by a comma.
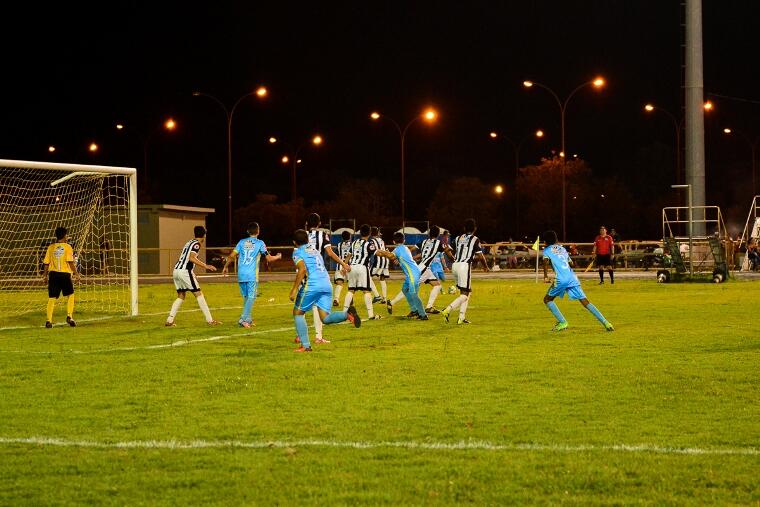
[(305, 300), (248, 289), (438, 272), (573, 293)]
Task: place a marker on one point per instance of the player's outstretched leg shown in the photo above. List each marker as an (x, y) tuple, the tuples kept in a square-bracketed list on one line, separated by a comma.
[(431, 300), (561, 324), (596, 313), (389, 304)]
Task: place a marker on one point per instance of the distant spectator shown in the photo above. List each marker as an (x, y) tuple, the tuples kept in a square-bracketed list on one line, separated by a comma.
[(753, 255), (616, 239), (573, 249)]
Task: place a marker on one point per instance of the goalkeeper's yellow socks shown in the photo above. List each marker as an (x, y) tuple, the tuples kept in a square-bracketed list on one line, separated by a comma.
[(70, 306), (50, 307)]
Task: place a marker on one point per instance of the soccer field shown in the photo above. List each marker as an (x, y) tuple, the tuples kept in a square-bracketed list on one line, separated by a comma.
[(664, 410)]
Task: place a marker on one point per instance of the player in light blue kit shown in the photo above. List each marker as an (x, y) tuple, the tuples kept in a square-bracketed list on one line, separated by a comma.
[(411, 285), (565, 282), (249, 250), (317, 291)]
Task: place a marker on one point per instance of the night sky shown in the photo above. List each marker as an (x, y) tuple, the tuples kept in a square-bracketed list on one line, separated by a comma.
[(71, 72)]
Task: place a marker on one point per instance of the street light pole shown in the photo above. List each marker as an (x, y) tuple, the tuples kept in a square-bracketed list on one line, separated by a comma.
[(598, 83), (316, 140), (429, 116), (260, 92), (691, 225), (753, 152)]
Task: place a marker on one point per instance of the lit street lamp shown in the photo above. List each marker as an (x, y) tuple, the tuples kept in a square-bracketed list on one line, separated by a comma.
[(260, 92), (538, 134), (752, 147), (314, 141), (429, 115), (596, 83)]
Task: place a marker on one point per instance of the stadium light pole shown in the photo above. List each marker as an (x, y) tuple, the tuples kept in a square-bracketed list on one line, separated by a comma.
[(260, 92), (752, 148), (691, 224), (598, 82), (538, 134), (429, 115), (316, 140)]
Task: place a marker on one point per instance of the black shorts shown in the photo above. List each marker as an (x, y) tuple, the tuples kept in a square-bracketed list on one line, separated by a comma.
[(59, 283), (603, 260)]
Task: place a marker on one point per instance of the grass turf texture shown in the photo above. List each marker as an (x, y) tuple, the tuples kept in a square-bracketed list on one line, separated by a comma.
[(538, 413)]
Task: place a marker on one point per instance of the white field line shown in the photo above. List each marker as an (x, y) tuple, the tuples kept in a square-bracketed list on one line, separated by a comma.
[(428, 446), (178, 343)]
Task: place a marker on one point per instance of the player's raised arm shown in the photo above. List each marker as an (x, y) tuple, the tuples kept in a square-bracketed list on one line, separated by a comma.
[(230, 260), (300, 274), (385, 253)]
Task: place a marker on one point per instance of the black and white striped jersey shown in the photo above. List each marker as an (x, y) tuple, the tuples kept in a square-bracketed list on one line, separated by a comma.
[(467, 245), (319, 240), (344, 249), (428, 250), (379, 262), (361, 251), (184, 261), (379, 243)]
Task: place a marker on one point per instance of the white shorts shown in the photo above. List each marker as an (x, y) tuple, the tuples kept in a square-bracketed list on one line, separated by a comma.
[(340, 275), (358, 278), (461, 272), (380, 267), (184, 280), (426, 275)]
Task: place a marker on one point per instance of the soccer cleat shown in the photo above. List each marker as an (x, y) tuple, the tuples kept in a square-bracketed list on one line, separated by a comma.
[(422, 317), (71, 322), (462, 320), (560, 326), (244, 323), (608, 326), (319, 339), (432, 311), (48, 324), (612, 282), (303, 349), (377, 299), (296, 340), (445, 314), (353, 316), (375, 317), (170, 324), (601, 282), (389, 307), (213, 323), (335, 302), (412, 315)]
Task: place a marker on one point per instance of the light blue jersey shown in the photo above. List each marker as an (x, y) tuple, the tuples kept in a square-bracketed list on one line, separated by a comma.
[(249, 251), (565, 277), (408, 266), (317, 277)]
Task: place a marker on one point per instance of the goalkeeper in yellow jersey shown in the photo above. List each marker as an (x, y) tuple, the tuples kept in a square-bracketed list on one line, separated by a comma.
[(59, 268)]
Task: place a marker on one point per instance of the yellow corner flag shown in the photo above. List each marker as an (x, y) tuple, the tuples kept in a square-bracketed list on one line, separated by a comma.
[(535, 245)]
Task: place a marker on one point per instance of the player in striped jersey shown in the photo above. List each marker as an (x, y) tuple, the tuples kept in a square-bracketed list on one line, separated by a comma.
[(344, 250), (320, 241), (430, 249), (467, 246), (379, 267), (411, 275), (249, 250), (359, 277), (184, 277)]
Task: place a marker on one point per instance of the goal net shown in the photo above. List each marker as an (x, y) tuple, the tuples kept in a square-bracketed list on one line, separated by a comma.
[(97, 204)]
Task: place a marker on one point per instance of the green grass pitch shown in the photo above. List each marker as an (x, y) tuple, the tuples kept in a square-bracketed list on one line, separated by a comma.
[(124, 411)]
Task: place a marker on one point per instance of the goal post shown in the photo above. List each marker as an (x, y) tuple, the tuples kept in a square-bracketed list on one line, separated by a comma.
[(98, 206)]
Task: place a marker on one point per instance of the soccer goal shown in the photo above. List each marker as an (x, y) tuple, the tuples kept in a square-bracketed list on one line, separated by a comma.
[(98, 206)]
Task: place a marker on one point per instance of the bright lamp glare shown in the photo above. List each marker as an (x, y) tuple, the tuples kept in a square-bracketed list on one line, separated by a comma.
[(375, 116), (527, 84), (649, 108), (170, 124), (51, 149), (598, 82), (285, 159), (272, 140), (261, 91), (539, 133), (726, 131), (317, 140), (430, 115), (493, 135)]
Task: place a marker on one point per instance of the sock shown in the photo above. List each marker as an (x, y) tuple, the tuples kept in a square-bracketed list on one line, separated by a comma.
[(552, 306), (247, 308), (368, 302), (50, 306), (612, 276), (335, 317), (384, 288), (302, 330), (204, 308), (463, 307), (338, 290), (70, 306), (175, 308), (601, 275), (433, 294), (398, 297), (347, 302), (596, 313), (317, 323), (373, 287), (458, 301)]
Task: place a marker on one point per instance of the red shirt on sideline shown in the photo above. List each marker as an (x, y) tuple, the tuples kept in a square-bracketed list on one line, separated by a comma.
[(604, 245)]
